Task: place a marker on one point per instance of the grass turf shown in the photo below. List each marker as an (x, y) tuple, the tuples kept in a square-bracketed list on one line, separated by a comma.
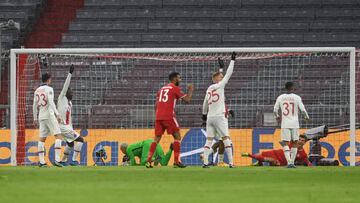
[(192, 184)]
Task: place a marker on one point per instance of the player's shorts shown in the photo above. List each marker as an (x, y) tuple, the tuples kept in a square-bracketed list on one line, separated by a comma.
[(289, 134), (49, 127), (171, 126), (217, 126), (68, 133)]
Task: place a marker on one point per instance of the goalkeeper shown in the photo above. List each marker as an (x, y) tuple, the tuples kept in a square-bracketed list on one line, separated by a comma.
[(141, 150)]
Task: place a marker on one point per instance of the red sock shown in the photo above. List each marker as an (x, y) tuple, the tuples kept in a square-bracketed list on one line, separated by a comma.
[(258, 157), (176, 147), (152, 150)]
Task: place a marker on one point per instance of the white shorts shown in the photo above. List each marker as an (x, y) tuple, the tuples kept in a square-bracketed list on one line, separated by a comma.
[(289, 134), (49, 127), (217, 127), (68, 133)]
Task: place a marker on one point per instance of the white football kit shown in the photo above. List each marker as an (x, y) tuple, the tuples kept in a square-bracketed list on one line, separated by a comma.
[(65, 108), (289, 104), (215, 108), (44, 111)]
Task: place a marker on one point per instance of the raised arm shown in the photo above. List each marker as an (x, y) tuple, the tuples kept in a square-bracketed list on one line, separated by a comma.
[(229, 72), (187, 98), (67, 82)]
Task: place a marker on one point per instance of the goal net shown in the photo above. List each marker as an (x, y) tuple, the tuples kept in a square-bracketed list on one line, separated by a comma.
[(115, 91)]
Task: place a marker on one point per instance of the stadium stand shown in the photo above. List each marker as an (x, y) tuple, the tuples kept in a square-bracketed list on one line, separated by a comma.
[(189, 23)]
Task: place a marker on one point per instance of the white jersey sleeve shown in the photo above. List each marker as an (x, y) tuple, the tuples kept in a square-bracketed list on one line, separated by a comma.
[(35, 107), (205, 104), (227, 76), (63, 104), (302, 108)]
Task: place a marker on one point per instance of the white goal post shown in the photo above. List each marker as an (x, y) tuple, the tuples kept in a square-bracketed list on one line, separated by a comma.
[(78, 51)]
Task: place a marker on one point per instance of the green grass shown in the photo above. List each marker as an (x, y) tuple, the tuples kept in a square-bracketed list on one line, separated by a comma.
[(192, 184)]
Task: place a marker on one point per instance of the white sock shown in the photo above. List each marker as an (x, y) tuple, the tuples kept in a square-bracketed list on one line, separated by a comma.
[(77, 150), (220, 158), (228, 151), (287, 154), (207, 151), (66, 153), (293, 154), (41, 152), (57, 150)]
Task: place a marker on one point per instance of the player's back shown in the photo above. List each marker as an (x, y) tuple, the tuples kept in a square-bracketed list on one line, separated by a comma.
[(166, 99), (41, 97), (216, 100), (289, 105)]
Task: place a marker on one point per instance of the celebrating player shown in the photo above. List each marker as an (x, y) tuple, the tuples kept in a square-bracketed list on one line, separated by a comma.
[(165, 116), (214, 112), (70, 135), (141, 150), (277, 157), (289, 104), (48, 119)]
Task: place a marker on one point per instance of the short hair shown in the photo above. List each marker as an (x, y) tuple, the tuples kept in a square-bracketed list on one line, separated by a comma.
[(289, 85), (303, 136), (123, 145), (217, 73), (173, 75), (45, 77)]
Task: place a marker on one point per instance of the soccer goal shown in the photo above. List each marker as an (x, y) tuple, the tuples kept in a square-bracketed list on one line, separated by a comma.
[(115, 88)]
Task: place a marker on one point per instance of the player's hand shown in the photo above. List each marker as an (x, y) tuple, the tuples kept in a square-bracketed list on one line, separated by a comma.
[(204, 117), (71, 69), (36, 123), (232, 113), (221, 63), (233, 56), (307, 119), (59, 119), (190, 87)]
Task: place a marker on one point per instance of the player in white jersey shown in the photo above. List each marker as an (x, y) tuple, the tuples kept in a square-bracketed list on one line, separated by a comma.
[(70, 135), (47, 118), (289, 105), (214, 111)]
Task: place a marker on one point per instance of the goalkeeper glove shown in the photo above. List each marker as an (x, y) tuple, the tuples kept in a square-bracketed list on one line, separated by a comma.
[(233, 56), (71, 69), (204, 117)]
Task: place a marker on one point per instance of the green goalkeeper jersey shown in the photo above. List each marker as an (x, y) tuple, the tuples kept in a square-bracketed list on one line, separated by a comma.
[(141, 150)]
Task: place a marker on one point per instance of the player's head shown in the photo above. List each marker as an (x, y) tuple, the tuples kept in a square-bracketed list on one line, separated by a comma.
[(175, 78), (46, 78), (123, 147), (290, 86), (69, 94), (302, 140), (217, 76)]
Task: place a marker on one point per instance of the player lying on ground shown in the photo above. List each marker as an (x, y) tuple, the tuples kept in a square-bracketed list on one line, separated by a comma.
[(214, 112), (289, 105), (166, 99), (48, 119), (70, 135), (141, 150), (276, 157)]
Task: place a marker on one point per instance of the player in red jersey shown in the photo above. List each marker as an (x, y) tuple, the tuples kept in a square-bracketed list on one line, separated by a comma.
[(166, 99), (276, 157)]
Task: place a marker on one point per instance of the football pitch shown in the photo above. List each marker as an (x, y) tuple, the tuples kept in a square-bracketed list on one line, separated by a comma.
[(192, 184)]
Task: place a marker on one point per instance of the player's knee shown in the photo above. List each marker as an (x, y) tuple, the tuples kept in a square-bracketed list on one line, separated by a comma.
[(210, 138), (79, 139), (226, 138), (58, 136), (157, 139), (284, 143), (42, 139), (177, 136), (70, 144)]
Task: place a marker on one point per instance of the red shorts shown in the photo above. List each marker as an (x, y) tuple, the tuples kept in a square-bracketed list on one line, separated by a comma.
[(171, 126)]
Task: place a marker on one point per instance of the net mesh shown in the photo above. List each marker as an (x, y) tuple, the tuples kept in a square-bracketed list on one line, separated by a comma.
[(114, 97)]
